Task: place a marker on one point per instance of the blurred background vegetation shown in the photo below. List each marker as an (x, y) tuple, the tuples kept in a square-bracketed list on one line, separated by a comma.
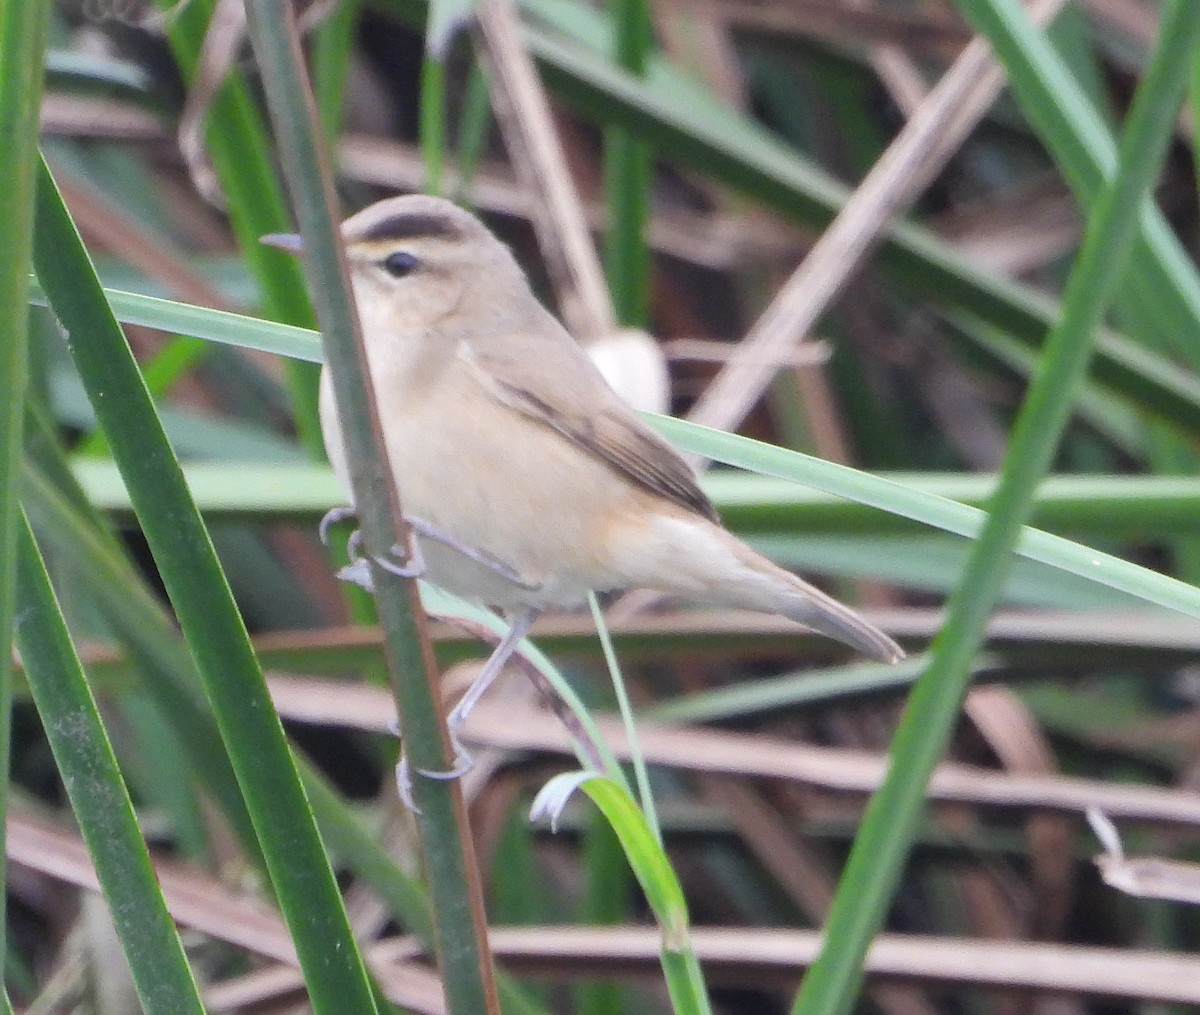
[(711, 144)]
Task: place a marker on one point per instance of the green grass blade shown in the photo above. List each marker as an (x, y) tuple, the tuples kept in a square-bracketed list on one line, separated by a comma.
[(1155, 385), (651, 867), (881, 848), (22, 41), (764, 695), (1195, 104), (204, 322), (474, 123), (625, 710), (138, 618), (1162, 283), (98, 796), (817, 497), (433, 122), (333, 51), (212, 626), (446, 17), (930, 509), (627, 179)]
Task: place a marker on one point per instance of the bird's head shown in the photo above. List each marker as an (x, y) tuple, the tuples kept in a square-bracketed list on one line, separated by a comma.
[(419, 263)]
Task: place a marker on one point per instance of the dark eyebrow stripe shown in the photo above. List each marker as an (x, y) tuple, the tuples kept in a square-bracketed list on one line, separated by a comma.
[(412, 226)]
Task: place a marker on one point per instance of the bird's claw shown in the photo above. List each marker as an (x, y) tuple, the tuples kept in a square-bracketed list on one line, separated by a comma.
[(462, 762), (414, 565), (404, 785), (333, 517), (462, 765), (358, 571)]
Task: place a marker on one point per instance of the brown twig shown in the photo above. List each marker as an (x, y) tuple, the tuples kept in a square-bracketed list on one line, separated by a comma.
[(526, 122), (930, 137)]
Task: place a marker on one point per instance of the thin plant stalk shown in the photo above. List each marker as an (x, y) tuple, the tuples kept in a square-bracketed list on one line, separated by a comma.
[(454, 883), (433, 122), (641, 775), (627, 178)]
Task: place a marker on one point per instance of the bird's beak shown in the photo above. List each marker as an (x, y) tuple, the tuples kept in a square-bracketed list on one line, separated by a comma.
[(291, 243)]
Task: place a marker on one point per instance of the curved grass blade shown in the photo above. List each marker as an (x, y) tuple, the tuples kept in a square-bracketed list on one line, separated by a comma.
[(651, 867), (204, 322)]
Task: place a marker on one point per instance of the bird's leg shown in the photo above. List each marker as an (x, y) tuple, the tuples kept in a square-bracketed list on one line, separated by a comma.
[(488, 560), (356, 571), (487, 676)]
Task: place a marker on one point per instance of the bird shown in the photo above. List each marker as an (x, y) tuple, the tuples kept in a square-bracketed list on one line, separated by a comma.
[(528, 483)]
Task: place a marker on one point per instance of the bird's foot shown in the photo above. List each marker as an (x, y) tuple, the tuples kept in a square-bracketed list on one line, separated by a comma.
[(332, 517), (461, 766), (454, 721), (404, 784), (358, 572)]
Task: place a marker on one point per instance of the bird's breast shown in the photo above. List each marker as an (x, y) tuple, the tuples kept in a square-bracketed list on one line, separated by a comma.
[(503, 484)]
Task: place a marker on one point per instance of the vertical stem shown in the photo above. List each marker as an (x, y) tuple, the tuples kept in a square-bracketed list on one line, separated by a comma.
[(333, 48), (22, 42), (472, 132), (460, 929), (627, 176), (433, 121)]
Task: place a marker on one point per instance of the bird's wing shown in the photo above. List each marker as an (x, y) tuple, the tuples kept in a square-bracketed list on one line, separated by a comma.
[(555, 383)]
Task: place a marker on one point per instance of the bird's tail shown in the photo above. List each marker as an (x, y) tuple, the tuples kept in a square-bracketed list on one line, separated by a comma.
[(798, 600), (712, 566)]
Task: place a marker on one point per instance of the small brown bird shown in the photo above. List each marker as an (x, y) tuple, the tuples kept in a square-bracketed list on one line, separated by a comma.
[(528, 481)]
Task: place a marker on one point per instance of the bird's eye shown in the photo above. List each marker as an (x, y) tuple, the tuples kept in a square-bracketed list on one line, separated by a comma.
[(400, 263)]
